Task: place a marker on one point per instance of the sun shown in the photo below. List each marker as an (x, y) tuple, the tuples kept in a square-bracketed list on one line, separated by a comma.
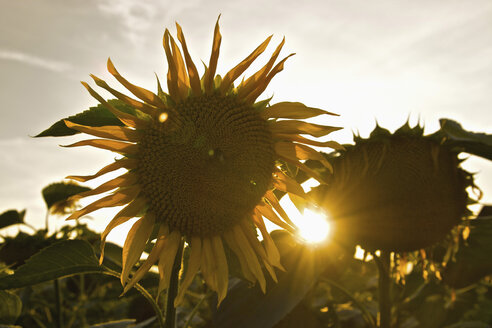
[(313, 226)]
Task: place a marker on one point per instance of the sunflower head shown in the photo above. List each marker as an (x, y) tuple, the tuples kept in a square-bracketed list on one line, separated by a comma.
[(202, 161), (396, 192)]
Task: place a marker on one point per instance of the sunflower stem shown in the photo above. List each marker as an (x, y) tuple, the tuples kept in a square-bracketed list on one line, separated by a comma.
[(173, 289), (383, 263), (142, 291)]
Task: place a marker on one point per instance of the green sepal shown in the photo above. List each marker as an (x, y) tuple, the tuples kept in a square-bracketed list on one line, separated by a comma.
[(94, 116), (262, 104)]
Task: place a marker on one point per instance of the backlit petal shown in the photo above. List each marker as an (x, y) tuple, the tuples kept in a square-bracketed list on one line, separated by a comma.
[(135, 243), (116, 146), (141, 93), (110, 132), (294, 110), (239, 69)]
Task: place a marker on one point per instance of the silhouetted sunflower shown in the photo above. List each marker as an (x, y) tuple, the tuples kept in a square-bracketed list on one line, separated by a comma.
[(202, 163), (395, 192)]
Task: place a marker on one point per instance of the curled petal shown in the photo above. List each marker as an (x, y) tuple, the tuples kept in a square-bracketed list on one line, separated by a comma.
[(295, 137), (125, 180), (239, 69), (300, 127), (135, 243), (208, 78), (116, 146), (147, 109), (127, 119), (110, 132), (166, 260), (141, 93), (127, 213), (256, 79), (192, 269), (294, 110), (127, 163), (120, 198), (295, 151), (285, 183), (192, 71)]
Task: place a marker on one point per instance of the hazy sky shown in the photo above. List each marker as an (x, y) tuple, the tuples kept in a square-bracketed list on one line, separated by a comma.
[(366, 60)]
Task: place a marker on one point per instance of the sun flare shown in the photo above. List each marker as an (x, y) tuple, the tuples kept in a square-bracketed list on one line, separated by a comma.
[(313, 227)]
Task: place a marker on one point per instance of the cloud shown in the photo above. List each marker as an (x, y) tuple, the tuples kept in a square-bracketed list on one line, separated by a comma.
[(51, 65)]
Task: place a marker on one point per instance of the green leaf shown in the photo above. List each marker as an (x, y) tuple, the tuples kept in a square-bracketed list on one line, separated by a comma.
[(475, 143), (59, 192), (62, 259), (473, 257), (95, 116), (11, 217), (10, 307), (249, 307)]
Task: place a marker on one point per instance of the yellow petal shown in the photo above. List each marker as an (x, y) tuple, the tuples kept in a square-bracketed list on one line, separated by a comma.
[(193, 266), (250, 256), (208, 264), (110, 132), (172, 74), (295, 110), (116, 146), (166, 260), (192, 71), (183, 80), (208, 78), (295, 137), (135, 243), (272, 199), (239, 69), (127, 119), (253, 240), (285, 183), (127, 213), (295, 151), (127, 163), (264, 82), (255, 80), (232, 243), (147, 109), (125, 180), (141, 93), (222, 273), (300, 127), (149, 262), (267, 211), (270, 247), (117, 199)]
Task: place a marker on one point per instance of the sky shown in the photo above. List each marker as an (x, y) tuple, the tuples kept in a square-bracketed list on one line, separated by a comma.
[(368, 61)]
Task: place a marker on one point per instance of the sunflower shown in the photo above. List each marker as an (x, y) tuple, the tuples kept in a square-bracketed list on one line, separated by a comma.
[(202, 162), (396, 192)]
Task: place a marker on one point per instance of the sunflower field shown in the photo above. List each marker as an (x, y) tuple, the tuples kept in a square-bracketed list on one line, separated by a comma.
[(202, 169)]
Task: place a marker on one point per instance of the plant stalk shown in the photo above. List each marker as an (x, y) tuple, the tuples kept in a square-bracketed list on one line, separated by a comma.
[(173, 289), (58, 300), (384, 262)]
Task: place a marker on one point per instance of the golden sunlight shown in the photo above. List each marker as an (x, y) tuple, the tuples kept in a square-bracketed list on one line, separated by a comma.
[(313, 226)]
